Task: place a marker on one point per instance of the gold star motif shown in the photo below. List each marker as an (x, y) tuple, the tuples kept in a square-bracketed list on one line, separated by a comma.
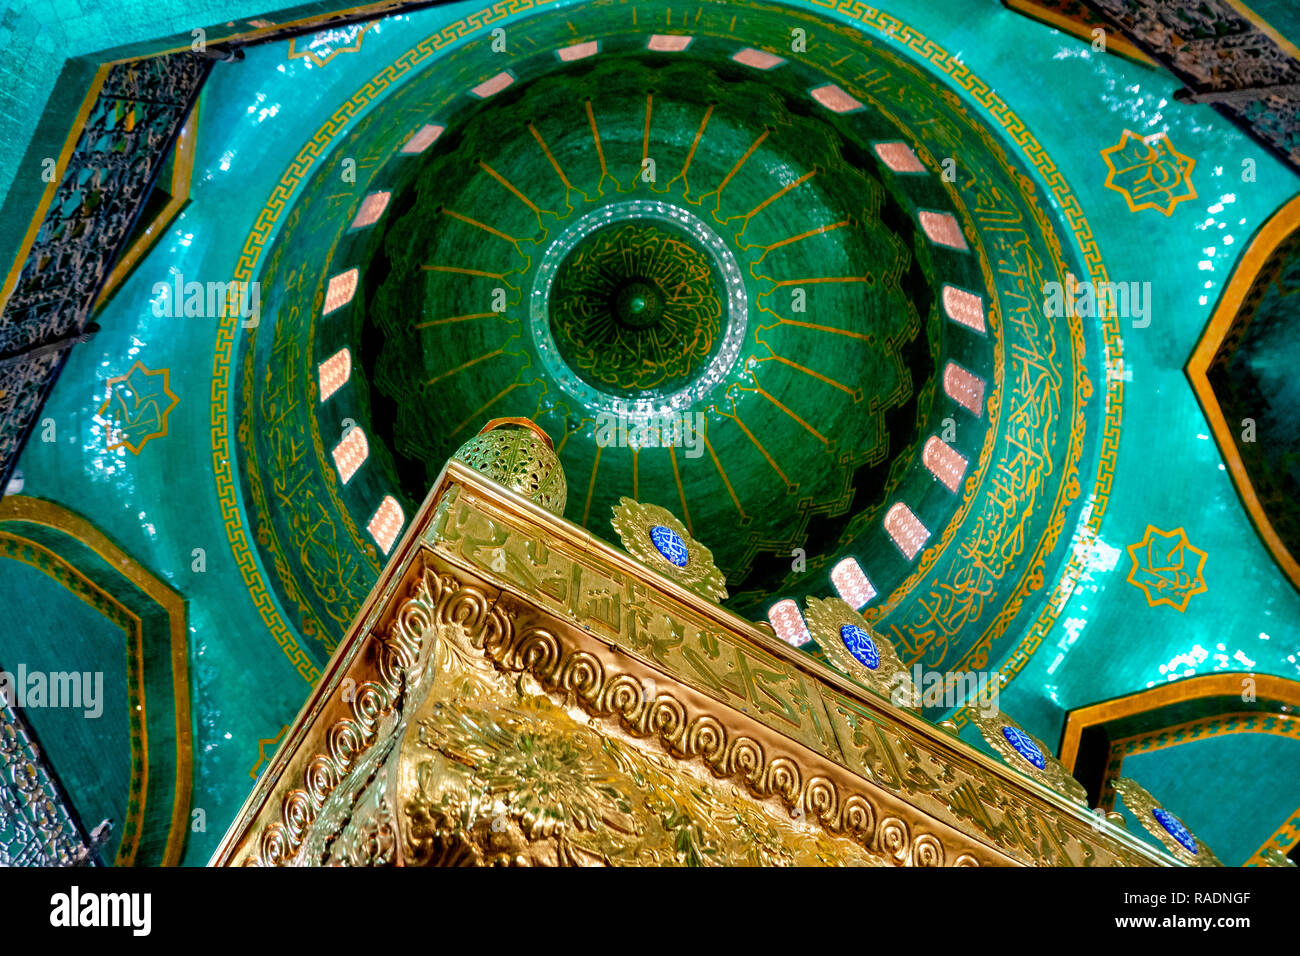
[(1167, 568), (136, 408), (263, 745), (327, 44), (1149, 172)]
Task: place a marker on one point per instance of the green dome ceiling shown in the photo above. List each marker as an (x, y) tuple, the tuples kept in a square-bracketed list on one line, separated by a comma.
[(643, 234), (712, 243)]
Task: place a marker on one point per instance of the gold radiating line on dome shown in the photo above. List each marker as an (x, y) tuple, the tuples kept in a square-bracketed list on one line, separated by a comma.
[(645, 137), (803, 235), (771, 398), (820, 328), (741, 162), (478, 413), (723, 474), (779, 193), (505, 182), (681, 492), (591, 485), (456, 318), (807, 371), (759, 445), (484, 226), (699, 134), (460, 368), (547, 150), (819, 280), (636, 473), (463, 271), (595, 134)]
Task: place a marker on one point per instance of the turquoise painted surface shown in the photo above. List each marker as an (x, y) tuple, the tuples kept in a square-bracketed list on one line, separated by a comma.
[(91, 754), (161, 505), (1169, 473), (1256, 789)]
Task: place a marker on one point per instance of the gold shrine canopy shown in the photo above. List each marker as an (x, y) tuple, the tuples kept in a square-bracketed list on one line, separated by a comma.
[(515, 690)]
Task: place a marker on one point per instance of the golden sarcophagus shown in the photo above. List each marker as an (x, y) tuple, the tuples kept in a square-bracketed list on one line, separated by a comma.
[(517, 691)]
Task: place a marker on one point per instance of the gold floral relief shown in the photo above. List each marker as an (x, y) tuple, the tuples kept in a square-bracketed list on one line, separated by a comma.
[(524, 783)]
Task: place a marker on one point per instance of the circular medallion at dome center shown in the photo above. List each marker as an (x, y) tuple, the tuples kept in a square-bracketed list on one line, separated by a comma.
[(637, 306)]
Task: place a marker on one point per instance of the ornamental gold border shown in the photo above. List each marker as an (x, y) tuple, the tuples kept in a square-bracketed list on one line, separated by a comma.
[(64, 574), (1276, 230), (21, 508), (1116, 42), (1190, 731), (1283, 839), (1036, 156), (1267, 686), (433, 596)]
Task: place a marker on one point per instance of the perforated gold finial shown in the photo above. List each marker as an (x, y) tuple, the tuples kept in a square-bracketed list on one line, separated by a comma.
[(517, 453)]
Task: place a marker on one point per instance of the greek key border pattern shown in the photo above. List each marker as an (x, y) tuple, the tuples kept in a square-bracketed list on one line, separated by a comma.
[(258, 238)]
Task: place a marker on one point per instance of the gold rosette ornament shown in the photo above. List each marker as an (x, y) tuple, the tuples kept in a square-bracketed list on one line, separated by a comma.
[(1163, 825), (853, 647), (1026, 753), (652, 535)]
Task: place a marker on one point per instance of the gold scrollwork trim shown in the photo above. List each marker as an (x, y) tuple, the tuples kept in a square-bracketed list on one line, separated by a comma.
[(687, 728)]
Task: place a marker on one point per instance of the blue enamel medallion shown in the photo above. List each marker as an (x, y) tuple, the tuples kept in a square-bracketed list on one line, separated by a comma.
[(861, 646), (1024, 746), (1175, 828), (670, 544)]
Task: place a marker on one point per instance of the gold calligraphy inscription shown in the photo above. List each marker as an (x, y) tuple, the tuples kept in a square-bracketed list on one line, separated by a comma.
[(1023, 475), (272, 411), (618, 607), (1025, 480), (625, 611), (1167, 569), (136, 408)]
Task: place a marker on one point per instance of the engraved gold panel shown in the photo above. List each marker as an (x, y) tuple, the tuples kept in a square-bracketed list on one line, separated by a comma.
[(516, 691)]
